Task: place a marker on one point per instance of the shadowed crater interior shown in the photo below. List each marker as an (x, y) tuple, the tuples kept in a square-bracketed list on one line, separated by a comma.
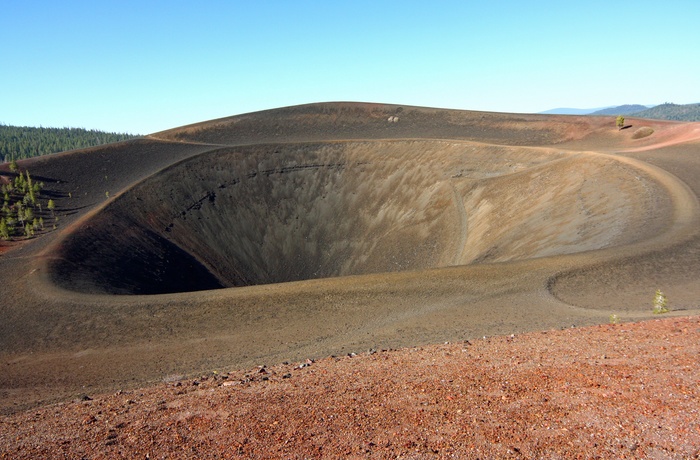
[(276, 213)]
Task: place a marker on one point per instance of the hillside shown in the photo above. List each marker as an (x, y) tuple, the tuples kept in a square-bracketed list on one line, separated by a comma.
[(669, 111), (20, 142)]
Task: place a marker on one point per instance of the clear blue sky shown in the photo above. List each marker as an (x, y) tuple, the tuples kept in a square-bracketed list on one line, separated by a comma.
[(144, 66)]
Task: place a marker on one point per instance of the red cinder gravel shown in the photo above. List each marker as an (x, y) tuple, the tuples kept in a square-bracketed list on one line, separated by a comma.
[(612, 391)]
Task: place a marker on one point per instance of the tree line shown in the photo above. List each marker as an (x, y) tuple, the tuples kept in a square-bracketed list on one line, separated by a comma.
[(19, 142)]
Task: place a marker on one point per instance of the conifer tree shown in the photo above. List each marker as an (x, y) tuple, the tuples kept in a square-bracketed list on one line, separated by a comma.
[(20, 212), (4, 229)]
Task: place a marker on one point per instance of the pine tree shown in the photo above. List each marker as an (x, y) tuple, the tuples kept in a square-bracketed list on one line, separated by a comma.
[(20, 212), (30, 189), (4, 230), (19, 183)]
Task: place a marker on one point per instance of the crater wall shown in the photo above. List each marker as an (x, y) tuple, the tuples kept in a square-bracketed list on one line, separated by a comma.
[(286, 212)]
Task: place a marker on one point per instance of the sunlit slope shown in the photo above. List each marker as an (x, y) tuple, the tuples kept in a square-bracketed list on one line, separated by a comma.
[(286, 212), (351, 120)]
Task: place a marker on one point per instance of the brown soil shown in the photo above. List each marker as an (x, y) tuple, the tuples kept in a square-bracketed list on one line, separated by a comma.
[(615, 391), (334, 230)]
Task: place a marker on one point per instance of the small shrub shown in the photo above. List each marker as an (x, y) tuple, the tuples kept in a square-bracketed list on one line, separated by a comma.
[(620, 122), (660, 303), (614, 319)]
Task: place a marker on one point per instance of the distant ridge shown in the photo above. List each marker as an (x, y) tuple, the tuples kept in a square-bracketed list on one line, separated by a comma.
[(669, 111), (607, 110), (666, 111), (626, 109), (570, 111)]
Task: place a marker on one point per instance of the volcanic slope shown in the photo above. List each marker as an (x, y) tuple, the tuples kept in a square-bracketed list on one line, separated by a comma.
[(332, 228)]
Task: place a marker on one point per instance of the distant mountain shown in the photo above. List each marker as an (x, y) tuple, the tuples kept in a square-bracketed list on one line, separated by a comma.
[(626, 109), (570, 111), (669, 111)]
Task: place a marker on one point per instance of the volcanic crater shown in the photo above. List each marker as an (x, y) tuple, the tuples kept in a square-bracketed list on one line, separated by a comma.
[(275, 213), (335, 228)]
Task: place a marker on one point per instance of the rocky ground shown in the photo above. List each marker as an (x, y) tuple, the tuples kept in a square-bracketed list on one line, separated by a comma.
[(613, 391)]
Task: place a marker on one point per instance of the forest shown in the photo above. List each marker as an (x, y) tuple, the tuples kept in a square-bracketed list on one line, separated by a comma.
[(19, 142)]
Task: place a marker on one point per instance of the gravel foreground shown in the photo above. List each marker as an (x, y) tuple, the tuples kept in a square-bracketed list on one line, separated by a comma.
[(612, 391)]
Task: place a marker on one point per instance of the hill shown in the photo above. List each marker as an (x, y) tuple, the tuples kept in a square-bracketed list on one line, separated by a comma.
[(669, 111), (620, 110), (20, 142), (305, 232)]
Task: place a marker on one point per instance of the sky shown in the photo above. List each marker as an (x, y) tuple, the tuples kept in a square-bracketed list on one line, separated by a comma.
[(145, 66)]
